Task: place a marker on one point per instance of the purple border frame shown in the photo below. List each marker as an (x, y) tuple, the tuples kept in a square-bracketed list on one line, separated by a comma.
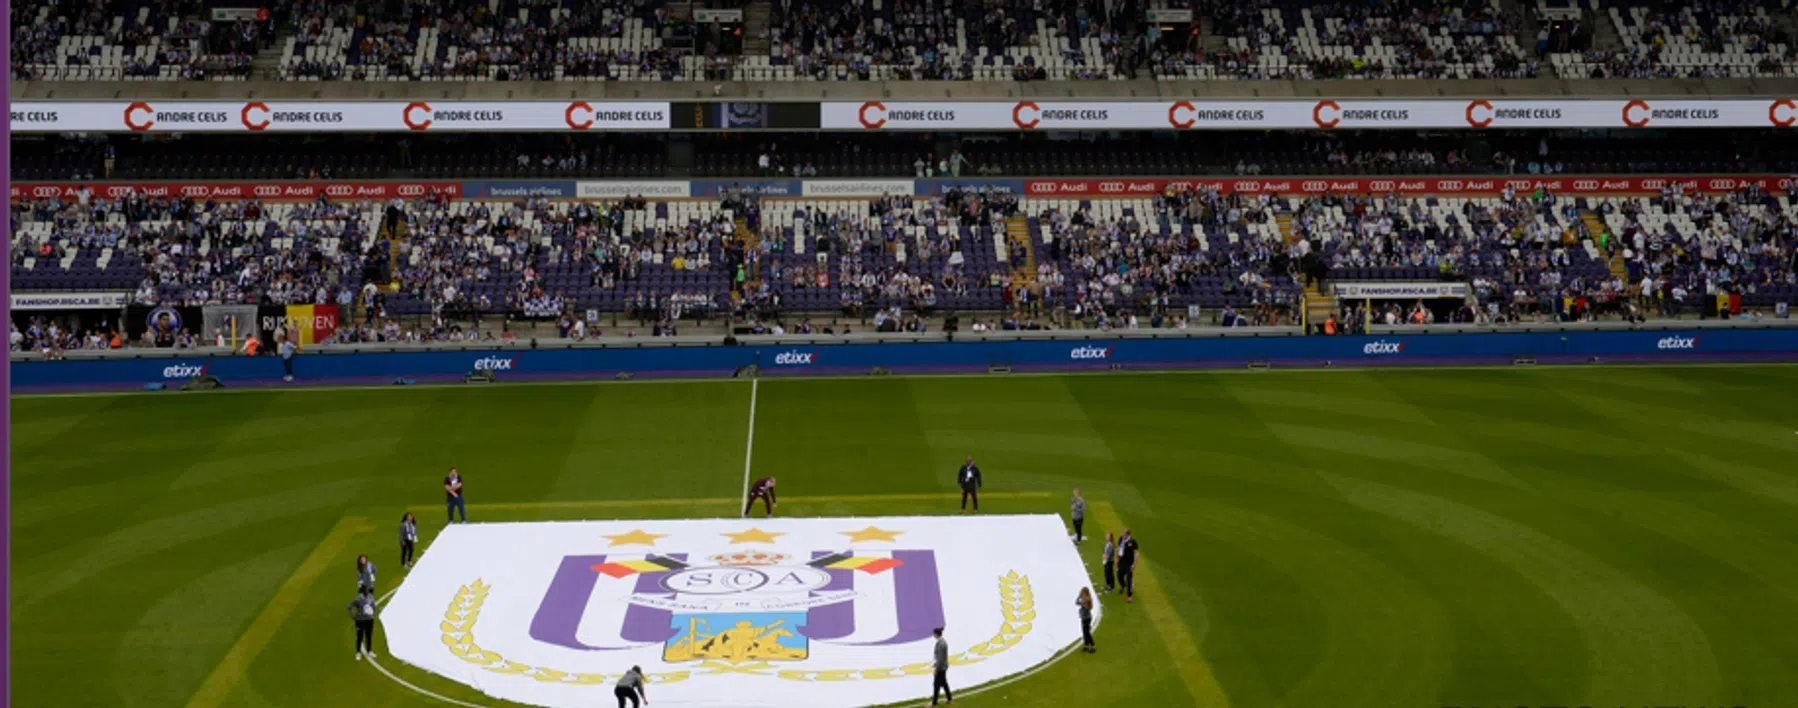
[(6, 376)]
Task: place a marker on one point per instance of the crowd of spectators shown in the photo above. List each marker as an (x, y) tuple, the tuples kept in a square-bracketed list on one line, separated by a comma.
[(519, 40), (1020, 40), (142, 39), (1181, 256)]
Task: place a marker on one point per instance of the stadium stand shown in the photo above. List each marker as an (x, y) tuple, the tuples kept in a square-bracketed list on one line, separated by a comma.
[(1707, 38), (98, 40), (1104, 260), (471, 41), (1408, 39)]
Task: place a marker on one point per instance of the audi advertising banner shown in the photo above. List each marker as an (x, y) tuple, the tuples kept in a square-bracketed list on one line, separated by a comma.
[(334, 116), (1411, 185), (237, 190), (1438, 114)]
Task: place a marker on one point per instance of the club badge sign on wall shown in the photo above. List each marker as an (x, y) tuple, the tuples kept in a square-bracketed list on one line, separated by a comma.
[(799, 612)]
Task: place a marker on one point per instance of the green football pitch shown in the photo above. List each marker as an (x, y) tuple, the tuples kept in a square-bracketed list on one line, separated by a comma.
[(1517, 537)]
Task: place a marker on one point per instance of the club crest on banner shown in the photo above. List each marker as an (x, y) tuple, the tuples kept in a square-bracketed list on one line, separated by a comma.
[(810, 607)]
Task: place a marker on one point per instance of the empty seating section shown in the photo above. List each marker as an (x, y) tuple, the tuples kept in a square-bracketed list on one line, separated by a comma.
[(1437, 39), (938, 40), (538, 40), (1688, 38), (126, 40)]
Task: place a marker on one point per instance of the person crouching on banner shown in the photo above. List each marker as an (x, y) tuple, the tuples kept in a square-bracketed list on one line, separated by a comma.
[(631, 688)]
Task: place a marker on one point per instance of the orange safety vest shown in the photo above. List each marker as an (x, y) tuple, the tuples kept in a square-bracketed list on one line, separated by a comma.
[(1330, 326), (251, 345)]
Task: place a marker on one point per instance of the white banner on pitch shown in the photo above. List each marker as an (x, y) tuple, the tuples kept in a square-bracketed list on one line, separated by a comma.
[(822, 613)]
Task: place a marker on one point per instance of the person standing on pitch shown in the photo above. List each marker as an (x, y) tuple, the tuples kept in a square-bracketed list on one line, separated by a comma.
[(287, 349), (1127, 566), (365, 573), (1085, 601), (362, 610), (631, 688), (408, 537), (1078, 511), (452, 485), (969, 478), (941, 662), (1109, 558), (763, 489)]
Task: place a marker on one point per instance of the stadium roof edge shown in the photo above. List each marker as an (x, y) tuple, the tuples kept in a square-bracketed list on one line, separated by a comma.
[(901, 90)]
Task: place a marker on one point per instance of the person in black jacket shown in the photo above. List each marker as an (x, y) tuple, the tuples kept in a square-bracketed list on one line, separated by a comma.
[(1127, 559), (969, 478), (362, 610)]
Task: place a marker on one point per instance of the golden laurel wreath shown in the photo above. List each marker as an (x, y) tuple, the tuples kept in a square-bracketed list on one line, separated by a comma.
[(1016, 603)]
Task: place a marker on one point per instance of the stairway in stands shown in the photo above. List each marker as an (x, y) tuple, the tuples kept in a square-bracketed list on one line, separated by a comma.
[(750, 241), (1284, 221), (755, 24), (1017, 236), (396, 240), (1595, 226), (1318, 306)]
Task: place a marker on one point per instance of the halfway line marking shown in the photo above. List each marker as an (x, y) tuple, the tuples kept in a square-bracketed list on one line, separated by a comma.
[(237, 661), (749, 447), (1182, 652)]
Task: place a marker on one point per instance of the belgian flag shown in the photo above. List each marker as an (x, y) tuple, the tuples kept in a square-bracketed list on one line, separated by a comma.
[(649, 564), (872, 565)]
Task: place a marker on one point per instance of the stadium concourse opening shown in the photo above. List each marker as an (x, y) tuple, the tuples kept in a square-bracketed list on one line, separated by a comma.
[(784, 224)]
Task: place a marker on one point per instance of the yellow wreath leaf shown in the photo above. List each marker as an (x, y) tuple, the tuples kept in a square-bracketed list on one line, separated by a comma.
[(549, 675)]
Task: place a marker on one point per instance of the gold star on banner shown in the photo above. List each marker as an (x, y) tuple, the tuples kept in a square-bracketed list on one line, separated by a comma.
[(753, 536), (636, 537), (872, 534)]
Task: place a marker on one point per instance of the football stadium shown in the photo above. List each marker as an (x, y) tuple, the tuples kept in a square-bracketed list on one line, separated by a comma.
[(1356, 354)]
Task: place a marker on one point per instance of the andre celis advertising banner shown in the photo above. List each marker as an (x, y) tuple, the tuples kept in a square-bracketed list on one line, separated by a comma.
[(333, 116), (821, 613), (1438, 114)]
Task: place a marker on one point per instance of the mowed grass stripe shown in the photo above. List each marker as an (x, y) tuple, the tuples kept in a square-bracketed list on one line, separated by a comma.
[(1644, 648), (1182, 652), (237, 660)]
